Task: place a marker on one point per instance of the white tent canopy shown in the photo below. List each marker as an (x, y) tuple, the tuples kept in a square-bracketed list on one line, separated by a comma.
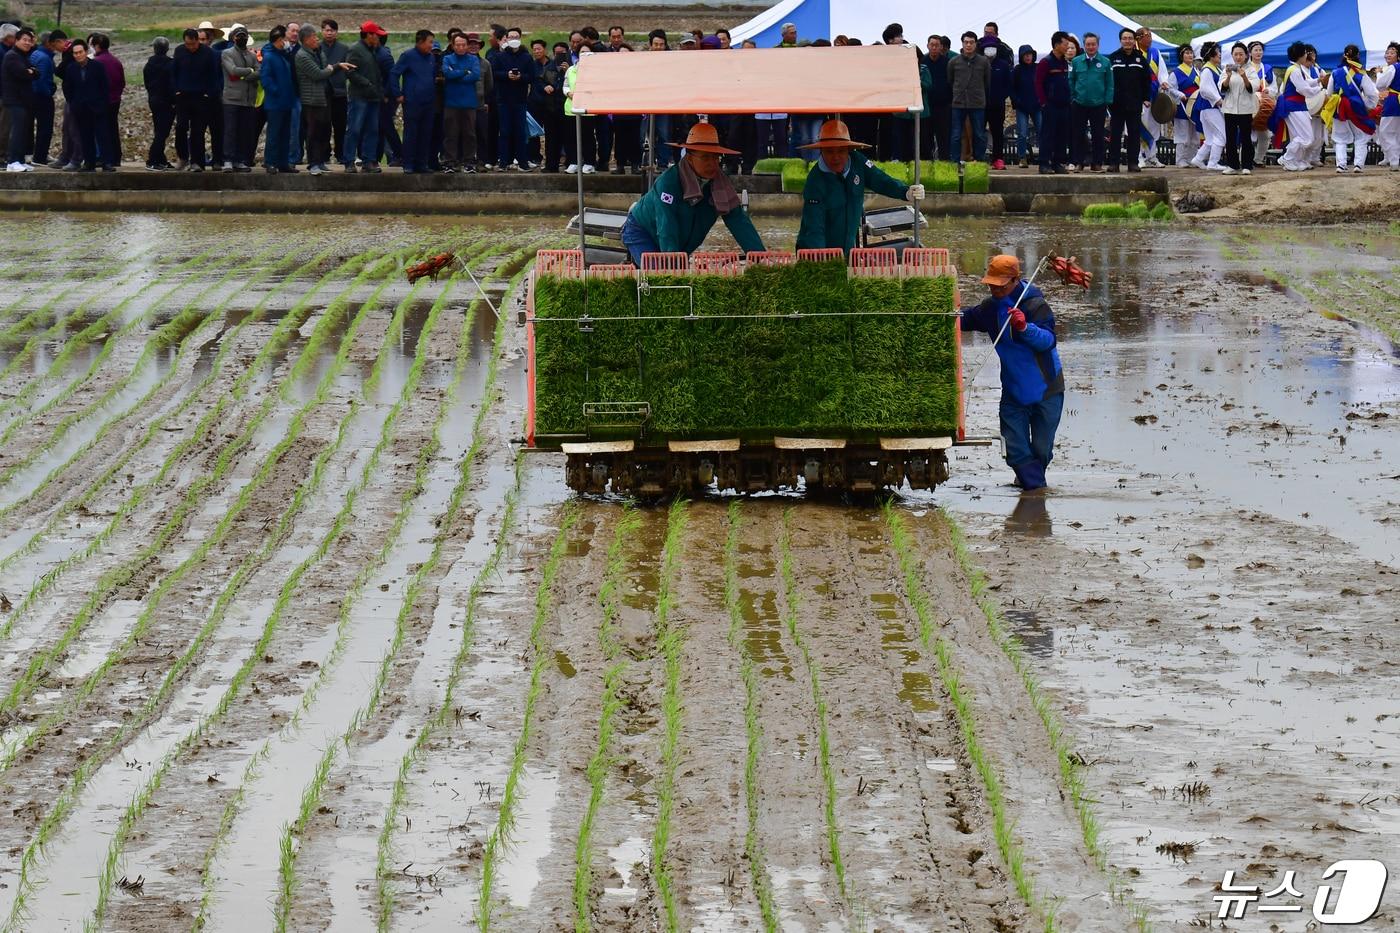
[(1330, 25), (1021, 22)]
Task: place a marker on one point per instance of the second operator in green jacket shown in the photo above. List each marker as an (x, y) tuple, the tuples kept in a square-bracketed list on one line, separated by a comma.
[(833, 199)]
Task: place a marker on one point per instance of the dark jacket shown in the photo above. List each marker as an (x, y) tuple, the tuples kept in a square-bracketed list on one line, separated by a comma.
[(550, 74), (1052, 82), (412, 78), (159, 78), (279, 86), (364, 81), (679, 226), (333, 53), (385, 60), (971, 79), (833, 205), (1023, 83), (1030, 365), (503, 60), (18, 78), (940, 90), (197, 72), (85, 86), (1132, 78), (42, 61), (460, 74), (116, 76), (1001, 77), (311, 74)]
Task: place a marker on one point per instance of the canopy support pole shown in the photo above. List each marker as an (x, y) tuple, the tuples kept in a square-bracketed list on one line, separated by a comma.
[(578, 151), (917, 138)]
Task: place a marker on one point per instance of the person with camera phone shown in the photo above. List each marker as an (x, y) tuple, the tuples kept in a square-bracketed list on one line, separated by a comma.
[(514, 70), (1239, 101)]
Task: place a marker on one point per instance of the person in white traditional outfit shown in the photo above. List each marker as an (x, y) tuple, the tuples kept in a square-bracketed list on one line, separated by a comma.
[(1208, 113)]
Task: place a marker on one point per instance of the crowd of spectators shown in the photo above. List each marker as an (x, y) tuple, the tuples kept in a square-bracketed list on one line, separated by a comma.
[(469, 102)]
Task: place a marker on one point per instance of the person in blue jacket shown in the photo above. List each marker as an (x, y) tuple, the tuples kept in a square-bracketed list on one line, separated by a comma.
[(1032, 383), (279, 98), (414, 83), (460, 72), (1024, 100)]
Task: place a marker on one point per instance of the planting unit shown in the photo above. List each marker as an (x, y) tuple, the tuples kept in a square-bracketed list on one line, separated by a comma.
[(841, 375)]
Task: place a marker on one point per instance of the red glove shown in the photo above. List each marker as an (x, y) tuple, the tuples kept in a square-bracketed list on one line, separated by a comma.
[(1018, 320)]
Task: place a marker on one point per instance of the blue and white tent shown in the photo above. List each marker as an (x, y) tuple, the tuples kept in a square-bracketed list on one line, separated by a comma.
[(1021, 22), (1330, 25)]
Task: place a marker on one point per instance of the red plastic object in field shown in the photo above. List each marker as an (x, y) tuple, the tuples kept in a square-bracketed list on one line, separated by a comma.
[(926, 260), (771, 258), (820, 255), (875, 262), (614, 270), (665, 262), (715, 264), (563, 263)]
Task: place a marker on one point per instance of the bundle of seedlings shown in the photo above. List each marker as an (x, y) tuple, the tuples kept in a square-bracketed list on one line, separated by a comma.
[(718, 356)]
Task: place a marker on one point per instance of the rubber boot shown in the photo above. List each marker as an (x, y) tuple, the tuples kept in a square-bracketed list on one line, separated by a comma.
[(1029, 475)]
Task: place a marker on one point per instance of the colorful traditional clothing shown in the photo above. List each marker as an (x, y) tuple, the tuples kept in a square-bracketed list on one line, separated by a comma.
[(1291, 123), (1182, 80), (1209, 119), (1151, 129), (1352, 124), (1388, 131)]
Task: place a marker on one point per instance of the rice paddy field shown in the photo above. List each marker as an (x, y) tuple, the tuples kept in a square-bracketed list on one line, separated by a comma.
[(293, 638)]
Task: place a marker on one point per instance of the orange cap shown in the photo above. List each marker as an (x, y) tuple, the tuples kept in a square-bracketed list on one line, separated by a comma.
[(1002, 270)]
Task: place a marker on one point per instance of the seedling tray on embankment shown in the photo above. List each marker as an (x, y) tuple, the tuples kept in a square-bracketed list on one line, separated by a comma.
[(804, 349)]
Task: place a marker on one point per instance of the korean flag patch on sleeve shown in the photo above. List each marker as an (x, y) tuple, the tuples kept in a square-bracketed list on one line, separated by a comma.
[(668, 198)]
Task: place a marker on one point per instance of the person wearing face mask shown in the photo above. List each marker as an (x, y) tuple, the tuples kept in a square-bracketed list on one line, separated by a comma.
[(683, 204), (999, 54), (241, 67), (514, 71), (833, 197), (1388, 86)]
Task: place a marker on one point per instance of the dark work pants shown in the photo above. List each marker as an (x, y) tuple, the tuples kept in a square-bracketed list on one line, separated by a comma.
[(996, 127), (43, 127), (214, 121), (1124, 128), (417, 136), (88, 122), (556, 131), (338, 107), (239, 125), (1086, 132), (941, 117), (20, 122), (162, 118), (109, 137), (193, 111), (627, 134), (318, 133), (1054, 136), (278, 151), (1239, 144), (772, 134), (459, 136)]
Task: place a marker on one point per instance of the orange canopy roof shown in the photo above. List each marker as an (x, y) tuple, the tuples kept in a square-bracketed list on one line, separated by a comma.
[(852, 79)]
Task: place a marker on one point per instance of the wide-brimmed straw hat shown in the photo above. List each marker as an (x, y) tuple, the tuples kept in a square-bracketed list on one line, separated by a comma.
[(835, 135), (703, 137)]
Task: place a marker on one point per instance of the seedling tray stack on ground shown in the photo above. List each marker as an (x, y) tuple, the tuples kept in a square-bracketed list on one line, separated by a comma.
[(806, 348)]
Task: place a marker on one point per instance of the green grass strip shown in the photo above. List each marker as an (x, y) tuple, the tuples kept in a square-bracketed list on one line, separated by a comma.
[(1008, 845), (181, 330), (510, 797), (792, 607), (609, 602), (1073, 771), (68, 799), (82, 338), (277, 341), (399, 794), (312, 793), (109, 581), (753, 728), (61, 321), (670, 638), (342, 519)]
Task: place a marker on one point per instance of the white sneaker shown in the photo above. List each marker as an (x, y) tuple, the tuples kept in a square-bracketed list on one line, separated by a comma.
[(1341, 170), (1356, 169), (1245, 171), (572, 169), (1155, 164), (589, 170), (18, 167), (1228, 171)]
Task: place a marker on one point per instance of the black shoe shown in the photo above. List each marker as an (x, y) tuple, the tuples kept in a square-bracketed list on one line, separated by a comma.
[(619, 171), (371, 169), (1046, 171), (1061, 170), (290, 170), (1131, 168), (1113, 169)]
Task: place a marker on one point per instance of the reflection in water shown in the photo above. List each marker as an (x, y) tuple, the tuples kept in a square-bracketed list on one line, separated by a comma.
[(1030, 518)]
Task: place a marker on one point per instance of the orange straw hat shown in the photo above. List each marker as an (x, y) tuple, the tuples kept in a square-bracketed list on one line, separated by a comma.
[(703, 137), (835, 135)]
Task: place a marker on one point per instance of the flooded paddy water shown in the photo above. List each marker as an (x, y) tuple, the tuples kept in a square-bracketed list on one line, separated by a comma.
[(289, 639)]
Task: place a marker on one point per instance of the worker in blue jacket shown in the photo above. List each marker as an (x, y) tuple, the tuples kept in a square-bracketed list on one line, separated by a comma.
[(1032, 383), (413, 82), (833, 197)]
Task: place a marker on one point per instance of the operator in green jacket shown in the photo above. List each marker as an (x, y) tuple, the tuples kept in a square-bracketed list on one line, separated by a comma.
[(833, 199), (677, 213)]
